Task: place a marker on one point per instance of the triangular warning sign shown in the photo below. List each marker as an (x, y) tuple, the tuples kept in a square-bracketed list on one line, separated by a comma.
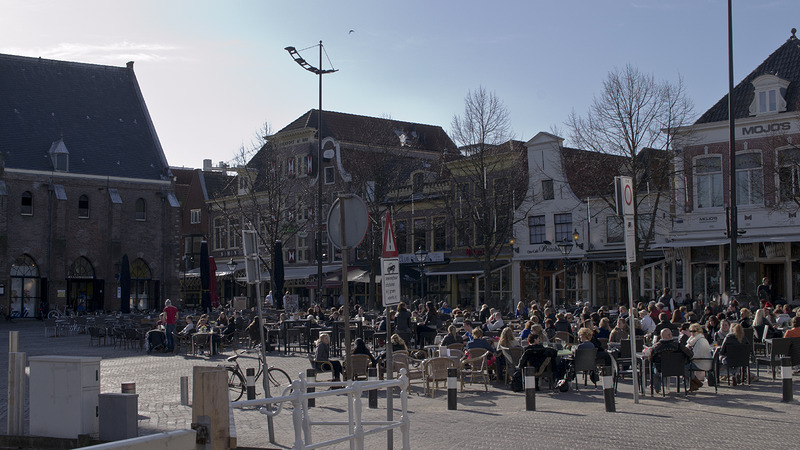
[(389, 246)]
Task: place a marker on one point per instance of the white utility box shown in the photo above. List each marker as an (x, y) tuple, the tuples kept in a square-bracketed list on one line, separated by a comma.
[(64, 393)]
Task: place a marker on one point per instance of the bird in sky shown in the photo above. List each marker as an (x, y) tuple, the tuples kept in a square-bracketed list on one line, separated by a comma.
[(351, 31)]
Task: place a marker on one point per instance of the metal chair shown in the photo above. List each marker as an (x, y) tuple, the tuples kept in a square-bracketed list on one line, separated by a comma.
[(673, 364), (584, 361), (776, 348), (737, 356)]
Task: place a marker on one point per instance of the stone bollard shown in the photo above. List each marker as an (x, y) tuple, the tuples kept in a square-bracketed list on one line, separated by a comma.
[(608, 389), (251, 383), (530, 389), (185, 391), (372, 375), (786, 376), (311, 377), (452, 389)]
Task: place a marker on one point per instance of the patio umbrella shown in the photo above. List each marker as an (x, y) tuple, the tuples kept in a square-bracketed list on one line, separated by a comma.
[(205, 301), (277, 274), (125, 285), (212, 282)]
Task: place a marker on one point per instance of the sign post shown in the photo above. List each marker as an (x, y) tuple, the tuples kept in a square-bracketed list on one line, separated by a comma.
[(390, 287), (625, 197)]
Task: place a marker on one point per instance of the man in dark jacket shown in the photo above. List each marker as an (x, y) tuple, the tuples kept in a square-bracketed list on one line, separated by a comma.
[(535, 354), (667, 344)]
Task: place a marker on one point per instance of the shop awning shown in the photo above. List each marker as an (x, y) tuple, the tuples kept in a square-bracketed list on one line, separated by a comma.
[(462, 268)]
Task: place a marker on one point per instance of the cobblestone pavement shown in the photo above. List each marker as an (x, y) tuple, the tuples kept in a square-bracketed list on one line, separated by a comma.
[(738, 417)]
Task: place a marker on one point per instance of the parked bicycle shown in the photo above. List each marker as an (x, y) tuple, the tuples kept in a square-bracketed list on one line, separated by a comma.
[(278, 379), (60, 313)]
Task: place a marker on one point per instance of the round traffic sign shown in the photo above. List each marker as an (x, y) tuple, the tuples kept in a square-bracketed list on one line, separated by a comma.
[(627, 195), (356, 221)]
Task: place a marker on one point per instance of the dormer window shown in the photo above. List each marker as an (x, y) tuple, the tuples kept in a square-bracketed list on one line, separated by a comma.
[(59, 156), (769, 95)]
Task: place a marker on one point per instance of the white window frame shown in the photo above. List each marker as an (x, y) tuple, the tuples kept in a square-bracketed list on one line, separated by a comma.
[(329, 175), (749, 180), (715, 178), (195, 216)]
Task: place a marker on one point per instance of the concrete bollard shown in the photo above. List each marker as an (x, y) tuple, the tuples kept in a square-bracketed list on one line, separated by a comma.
[(530, 389), (17, 380), (185, 391), (786, 376), (372, 375), (452, 389), (128, 388), (608, 390), (250, 375), (311, 377)]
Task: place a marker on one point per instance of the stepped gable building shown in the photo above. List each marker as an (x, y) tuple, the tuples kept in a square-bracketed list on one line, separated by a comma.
[(83, 181)]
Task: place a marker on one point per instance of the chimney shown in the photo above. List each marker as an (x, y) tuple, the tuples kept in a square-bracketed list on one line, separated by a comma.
[(207, 165)]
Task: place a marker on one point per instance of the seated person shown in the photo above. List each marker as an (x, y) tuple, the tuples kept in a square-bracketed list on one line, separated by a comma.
[(667, 343), (238, 320), (445, 309), (189, 328), (479, 342), (398, 344), (535, 354), (162, 321), (523, 336), (495, 322), (468, 331), (794, 332), (322, 354), (451, 337), (360, 348)]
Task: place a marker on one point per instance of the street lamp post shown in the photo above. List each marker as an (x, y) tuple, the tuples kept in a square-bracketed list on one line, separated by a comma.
[(422, 255), (318, 71), (232, 269)]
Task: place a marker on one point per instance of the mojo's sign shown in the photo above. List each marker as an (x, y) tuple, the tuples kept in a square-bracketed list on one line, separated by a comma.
[(769, 128)]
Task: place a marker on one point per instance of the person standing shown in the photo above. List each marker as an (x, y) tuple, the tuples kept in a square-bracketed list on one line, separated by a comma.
[(765, 290), (171, 313), (667, 300)]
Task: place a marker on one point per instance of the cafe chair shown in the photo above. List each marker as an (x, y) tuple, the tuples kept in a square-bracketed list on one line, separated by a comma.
[(584, 361), (475, 367), (673, 364), (321, 366), (737, 359), (435, 370), (512, 357), (776, 348), (358, 367)]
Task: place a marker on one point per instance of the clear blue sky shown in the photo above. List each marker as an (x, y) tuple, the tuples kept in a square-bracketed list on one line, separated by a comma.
[(213, 72)]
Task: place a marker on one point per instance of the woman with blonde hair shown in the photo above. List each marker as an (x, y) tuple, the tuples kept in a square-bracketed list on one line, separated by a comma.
[(322, 355), (735, 336), (507, 339)]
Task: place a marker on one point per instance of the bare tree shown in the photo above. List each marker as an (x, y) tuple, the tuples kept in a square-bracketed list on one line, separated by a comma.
[(487, 184), (270, 194), (636, 118)]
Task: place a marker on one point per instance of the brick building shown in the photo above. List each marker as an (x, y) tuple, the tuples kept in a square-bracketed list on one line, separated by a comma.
[(83, 181)]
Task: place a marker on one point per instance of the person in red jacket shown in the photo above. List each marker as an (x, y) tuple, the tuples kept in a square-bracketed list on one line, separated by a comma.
[(171, 319)]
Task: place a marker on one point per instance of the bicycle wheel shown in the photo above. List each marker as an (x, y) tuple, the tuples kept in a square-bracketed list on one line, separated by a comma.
[(52, 314), (278, 381), (236, 384)]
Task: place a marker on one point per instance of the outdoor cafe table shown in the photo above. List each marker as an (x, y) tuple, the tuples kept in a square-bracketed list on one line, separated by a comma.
[(209, 335)]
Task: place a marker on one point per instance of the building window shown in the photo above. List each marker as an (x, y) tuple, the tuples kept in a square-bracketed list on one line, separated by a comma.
[(615, 229), (26, 204), (439, 234), (464, 233), (401, 236), (749, 176), (789, 174), (769, 95), (220, 233), (708, 181), (418, 182), (83, 207), (329, 175), (234, 233), (420, 234), (563, 224), (194, 216), (141, 209), (547, 190), (536, 229)]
